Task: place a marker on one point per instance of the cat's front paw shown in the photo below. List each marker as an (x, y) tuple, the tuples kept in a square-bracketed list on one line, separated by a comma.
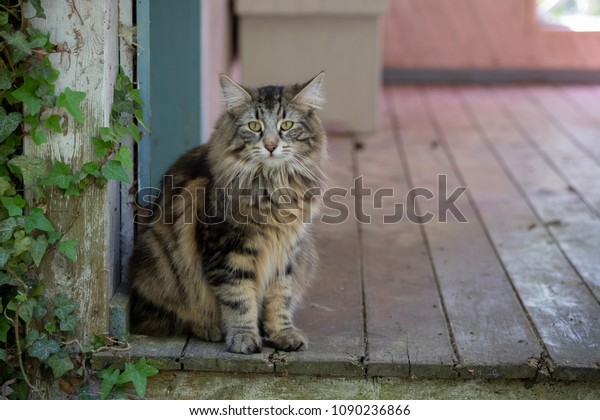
[(244, 342), (290, 340)]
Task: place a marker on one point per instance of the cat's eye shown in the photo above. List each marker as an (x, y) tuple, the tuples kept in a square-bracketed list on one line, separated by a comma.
[(286, 125), (254, 126)]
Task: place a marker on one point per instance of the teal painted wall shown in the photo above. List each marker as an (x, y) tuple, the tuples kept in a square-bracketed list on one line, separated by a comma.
[(169, 73)]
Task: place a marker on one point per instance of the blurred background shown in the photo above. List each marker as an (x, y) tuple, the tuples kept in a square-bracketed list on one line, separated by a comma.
[(361, 44)]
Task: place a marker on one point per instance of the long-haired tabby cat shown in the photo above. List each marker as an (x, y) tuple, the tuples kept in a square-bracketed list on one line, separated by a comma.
[(227, 251)]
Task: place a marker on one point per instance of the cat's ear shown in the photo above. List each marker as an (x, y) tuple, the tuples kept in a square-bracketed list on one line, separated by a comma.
[(233, 94), (312, 93)]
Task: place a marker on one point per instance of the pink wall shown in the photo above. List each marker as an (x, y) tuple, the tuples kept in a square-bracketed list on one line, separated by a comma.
[(480, 34)]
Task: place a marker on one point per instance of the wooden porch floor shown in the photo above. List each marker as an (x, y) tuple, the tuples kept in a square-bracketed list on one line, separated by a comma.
[(512, 293)]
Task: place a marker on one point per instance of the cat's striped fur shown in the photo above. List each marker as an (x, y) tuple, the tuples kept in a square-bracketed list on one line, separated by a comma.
[(227, 251)]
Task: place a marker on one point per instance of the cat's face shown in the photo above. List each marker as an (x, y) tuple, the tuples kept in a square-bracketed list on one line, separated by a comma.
[(275, 125)]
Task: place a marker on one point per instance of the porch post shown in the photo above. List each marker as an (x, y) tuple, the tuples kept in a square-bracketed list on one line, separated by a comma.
[(89, 30)]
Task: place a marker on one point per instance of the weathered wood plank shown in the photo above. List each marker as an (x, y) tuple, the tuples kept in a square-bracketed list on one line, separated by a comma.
[(406, 327), (569, 221), (213, 357), (162, 353), (490, 330), (91, 33), (332, 312), (574, 124), (585, 100), (575, 166), (565, 319)]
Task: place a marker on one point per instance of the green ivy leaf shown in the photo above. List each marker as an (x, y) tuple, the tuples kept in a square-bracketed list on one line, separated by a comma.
[(53, 123), (42, 348), (73, 190), (2, 355), (134, 131), (46, 93), (109, 378), (5, 76), (32, 121), (19, 269), (71, 101), (64, 306), (4, 256), (138, 375), (4, 328), (37, 38), (39, 10), (39, 137), (26, 309), (37, 220), (50, 326), (7, 228), (114, 170), (40, 311), (6, 279), (8, 123), (22, 243), (113, 134), (6, 188), (3, 20), (101, 182), (18, 41), (53, 237), (27, 94), (38, 290), (92, 168), (69, 249), (69, 323), (14, 205), (46, 71), (60, 363), (139, 116), (60, 175), (136, 96), (101, 147), (123, 155), (32, 336), (38, 249), (31, 168)]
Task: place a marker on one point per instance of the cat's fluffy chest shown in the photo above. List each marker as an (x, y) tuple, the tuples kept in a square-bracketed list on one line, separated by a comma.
[(276, 246)]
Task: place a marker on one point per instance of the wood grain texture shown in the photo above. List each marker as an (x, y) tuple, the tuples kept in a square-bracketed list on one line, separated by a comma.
[(562, 212), (407, 332), (332, 312), (90, 65), (160, 353), (577, 167), (579, 127), (213, 357), (481, 34), (474, 286), (562, 309)]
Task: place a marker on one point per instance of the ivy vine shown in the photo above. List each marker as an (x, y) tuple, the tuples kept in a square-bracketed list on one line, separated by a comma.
[(37, 333)]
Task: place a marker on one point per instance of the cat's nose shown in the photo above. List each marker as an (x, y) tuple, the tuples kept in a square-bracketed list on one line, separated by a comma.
[(270, 147)]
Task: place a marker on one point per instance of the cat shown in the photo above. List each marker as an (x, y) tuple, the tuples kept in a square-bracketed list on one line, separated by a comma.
[(227, 250)]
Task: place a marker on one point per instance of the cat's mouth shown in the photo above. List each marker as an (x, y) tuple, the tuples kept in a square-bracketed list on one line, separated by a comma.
[(273, 160)]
